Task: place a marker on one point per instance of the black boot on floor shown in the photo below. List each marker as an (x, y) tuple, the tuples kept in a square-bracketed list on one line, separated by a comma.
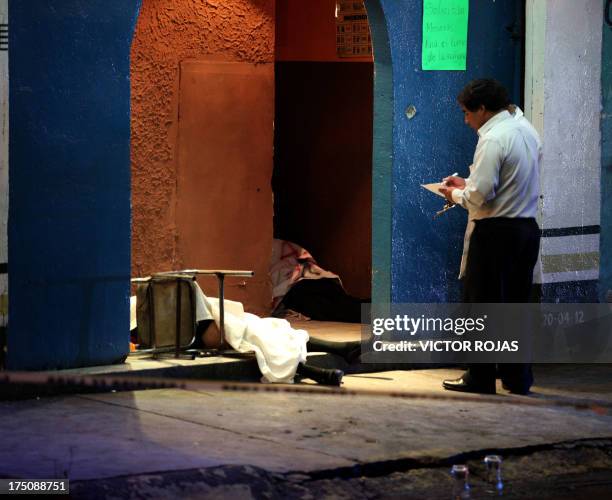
[(323, 376)]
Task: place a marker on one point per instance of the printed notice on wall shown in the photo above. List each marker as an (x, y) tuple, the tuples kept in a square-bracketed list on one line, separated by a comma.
[(352, 29), (445, 27)]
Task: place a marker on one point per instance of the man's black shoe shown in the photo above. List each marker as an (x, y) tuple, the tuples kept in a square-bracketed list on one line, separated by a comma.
[(461, 385)]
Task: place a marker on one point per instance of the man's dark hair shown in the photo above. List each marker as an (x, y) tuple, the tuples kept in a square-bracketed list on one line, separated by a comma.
[(484, 92)]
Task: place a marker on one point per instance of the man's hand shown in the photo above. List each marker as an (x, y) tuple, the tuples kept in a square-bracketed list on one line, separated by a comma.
[(449, 184), (448, 193), (454, 182)]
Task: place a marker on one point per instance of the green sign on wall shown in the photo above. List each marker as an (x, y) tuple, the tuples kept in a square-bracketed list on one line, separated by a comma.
[(445, 27)]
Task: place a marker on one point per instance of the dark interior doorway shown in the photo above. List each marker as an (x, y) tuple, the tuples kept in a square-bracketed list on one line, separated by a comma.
[(322, 179)]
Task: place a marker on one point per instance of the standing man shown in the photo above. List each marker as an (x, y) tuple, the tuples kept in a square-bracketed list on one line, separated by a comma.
[(502, 238)]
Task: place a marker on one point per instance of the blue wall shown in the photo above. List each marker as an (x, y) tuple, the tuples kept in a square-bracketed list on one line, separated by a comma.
[(424, 254), (69, 214), (605, 270)]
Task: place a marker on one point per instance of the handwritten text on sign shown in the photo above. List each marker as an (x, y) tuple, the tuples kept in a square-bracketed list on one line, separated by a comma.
[(445, 27)]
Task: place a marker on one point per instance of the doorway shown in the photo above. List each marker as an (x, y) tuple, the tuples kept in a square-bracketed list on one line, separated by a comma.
[(322, 180)]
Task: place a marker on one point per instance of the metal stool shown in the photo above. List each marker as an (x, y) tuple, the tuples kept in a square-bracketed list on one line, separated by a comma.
[(168, 290)]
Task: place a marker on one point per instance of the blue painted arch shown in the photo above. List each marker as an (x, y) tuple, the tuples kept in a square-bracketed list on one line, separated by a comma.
[(69, 220), (382, 154), (416, 259)]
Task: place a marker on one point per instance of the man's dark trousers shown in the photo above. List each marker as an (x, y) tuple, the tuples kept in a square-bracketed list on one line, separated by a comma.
[(500, 262)]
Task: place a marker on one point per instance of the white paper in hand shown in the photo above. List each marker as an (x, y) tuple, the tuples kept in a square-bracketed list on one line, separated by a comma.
[(434, 187)]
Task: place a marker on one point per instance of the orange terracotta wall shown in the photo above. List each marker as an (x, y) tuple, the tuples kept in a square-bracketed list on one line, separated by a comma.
[(169, 33), (306, 31)]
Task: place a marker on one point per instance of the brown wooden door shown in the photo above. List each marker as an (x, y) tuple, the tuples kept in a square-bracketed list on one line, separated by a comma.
[(224, 196)]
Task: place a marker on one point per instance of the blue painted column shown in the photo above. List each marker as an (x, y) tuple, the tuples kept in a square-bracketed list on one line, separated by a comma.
[(69, 214), (605, 241)]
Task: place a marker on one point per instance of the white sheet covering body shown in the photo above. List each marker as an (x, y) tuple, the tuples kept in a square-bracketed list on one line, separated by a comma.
[(278, 347)]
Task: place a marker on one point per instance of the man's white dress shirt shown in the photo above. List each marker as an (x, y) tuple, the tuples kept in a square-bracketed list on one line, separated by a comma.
[(504, 178)]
